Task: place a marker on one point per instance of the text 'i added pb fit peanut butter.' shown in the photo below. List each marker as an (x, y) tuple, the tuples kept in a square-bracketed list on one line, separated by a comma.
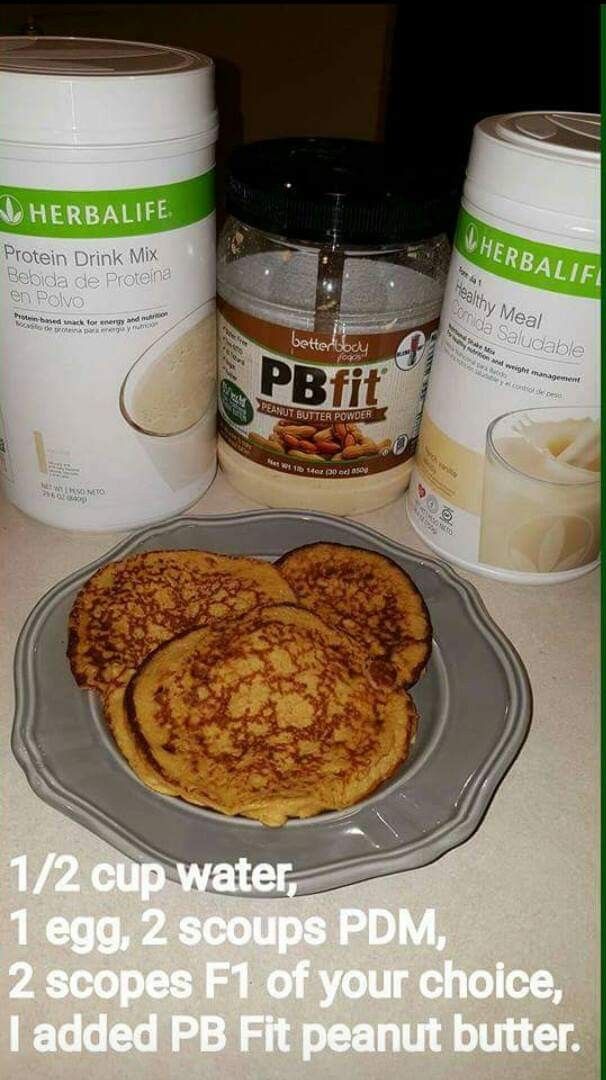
[(331, 270), (507, 472), (107, 280)]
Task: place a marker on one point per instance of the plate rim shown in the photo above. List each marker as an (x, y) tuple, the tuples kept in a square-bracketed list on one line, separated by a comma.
[(455, 830)]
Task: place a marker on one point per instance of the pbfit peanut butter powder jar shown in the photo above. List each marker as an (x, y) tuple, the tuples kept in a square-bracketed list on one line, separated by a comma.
[(331, 270), (107, 280), (507, 472)]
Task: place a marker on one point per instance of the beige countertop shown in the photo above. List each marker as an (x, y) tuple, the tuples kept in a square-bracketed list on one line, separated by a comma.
[(522, 890)]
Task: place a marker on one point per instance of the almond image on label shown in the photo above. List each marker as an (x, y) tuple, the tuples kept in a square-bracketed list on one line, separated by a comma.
[(338, 442)]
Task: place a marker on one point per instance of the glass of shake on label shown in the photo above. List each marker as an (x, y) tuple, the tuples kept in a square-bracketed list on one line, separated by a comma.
[(541, 498), (169, 399)]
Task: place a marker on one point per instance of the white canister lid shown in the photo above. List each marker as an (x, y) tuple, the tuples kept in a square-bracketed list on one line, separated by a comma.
[(98, 92), (547, 160)]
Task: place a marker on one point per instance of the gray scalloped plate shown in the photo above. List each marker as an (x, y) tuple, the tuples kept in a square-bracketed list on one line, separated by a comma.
[(474, 702)]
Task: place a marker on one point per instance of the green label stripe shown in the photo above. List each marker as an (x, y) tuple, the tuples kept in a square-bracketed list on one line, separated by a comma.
[(542, 266), (100, 214)]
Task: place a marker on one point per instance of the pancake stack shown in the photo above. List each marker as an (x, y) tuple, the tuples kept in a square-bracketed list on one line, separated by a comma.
[(256, 690)]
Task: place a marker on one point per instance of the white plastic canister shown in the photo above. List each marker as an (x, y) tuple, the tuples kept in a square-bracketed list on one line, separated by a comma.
[(506, 480), (107, 280)]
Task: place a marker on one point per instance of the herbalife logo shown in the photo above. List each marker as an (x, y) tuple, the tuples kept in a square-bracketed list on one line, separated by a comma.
[(471, 238), (518, 258), (11, 210)]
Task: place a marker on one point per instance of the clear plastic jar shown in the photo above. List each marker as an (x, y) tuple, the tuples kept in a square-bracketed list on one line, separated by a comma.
[(329, 299)]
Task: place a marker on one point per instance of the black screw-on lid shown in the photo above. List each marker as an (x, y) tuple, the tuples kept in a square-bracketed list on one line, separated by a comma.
[(344, 190)]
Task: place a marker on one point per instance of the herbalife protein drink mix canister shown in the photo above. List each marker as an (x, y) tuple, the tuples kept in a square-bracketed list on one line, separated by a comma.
[(107, 280), (331, 270), (508, 463)]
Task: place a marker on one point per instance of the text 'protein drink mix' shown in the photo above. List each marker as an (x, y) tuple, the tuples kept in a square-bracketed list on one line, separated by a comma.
[(507, 472), (107, 280)]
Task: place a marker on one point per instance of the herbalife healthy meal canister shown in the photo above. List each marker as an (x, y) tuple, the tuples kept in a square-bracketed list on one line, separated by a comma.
[(507, 472), (330, 278), (106, 280)]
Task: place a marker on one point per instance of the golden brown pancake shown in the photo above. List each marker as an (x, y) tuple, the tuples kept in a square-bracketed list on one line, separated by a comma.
[(131, 606), (137, 756), (271, 716), (370, 598)]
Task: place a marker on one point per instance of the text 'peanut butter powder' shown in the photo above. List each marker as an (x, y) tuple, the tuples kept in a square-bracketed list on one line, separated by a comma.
[(331, 271)]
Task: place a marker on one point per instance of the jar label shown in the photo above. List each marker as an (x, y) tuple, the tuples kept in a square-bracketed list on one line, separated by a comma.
[(507, 467), (528, 262), (313, 404), (107, 327), (104, 214)]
